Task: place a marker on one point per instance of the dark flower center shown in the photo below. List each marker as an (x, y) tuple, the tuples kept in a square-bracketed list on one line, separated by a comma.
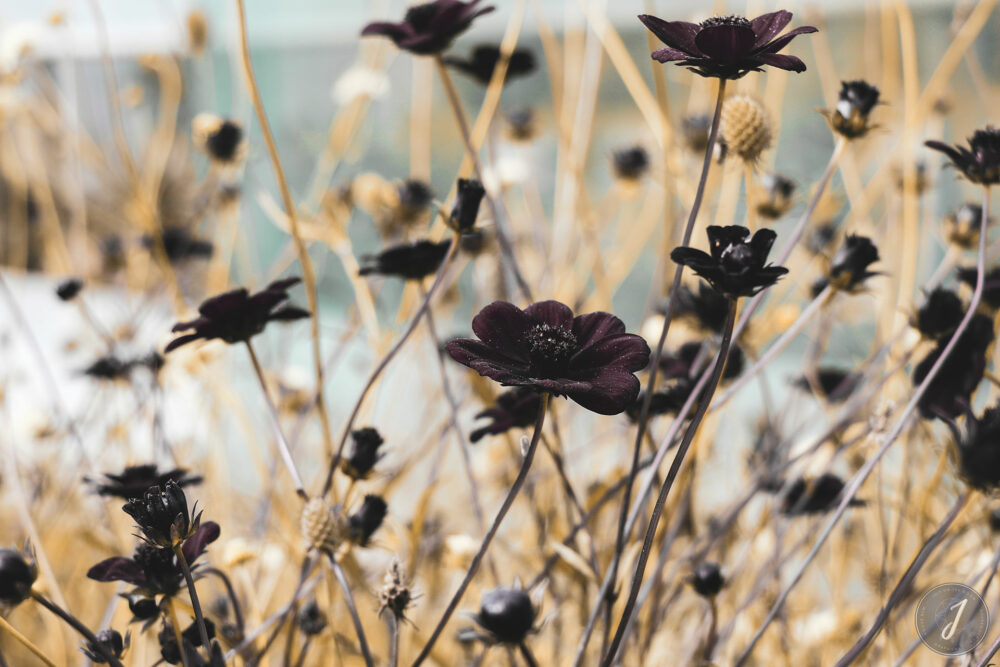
[(420, 16), (736, 257), (732, 19), (550, 347)]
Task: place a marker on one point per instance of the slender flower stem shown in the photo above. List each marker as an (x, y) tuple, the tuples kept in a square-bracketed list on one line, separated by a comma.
[(338, 572), (859, 478), (903, 586), (990, 652), (529, 659), (308, 274), (272, 411), (384, 362), (24, 641), (176, 627), (503, 238), (620, 537), (522, 475), (233, 600), (75, 623), (393, 626), (654, 520), (199, 617)]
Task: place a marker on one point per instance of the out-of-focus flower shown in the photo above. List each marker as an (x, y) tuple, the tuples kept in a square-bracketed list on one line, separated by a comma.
[(360, 82), (521, 124), (363, 523), (854, 104), (514, 408), (950, 392), (588, 358), (109, 367), (980, 162), (745, 127), (162, 515), (17, 575), (363, 453), (696, 129), (708, 307), (940, 314), (707, 580), (68, 289), (682, 363), (630, 164), (236, 317), (991, 284), (470, 193), (774, 195), (111, 643), (833, 384), (133, 481), (727, 47), (395, 595), (849, 267), (484, 59), (979, 450), (736, 266), (431, 27), (312, 620), (814, 496), (179, 244), (220, 138), (412, 261), (961, 228), (507, 615)]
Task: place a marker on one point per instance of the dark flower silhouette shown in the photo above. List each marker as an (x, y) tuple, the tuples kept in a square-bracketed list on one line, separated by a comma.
[(940, 315), (191, 640), (68, 289), (681, 364), (514, 408), (507, 614), (484, 58), (467, 201), (979, 450), (312, 620), (991, 284), (363, 454), (362, 524), (631, 163), (223, 144), (821, 237), (133, 481), (162, 515), (814, 496), (143, 608), (950, 392), (980, 162), (155, 570), (414, 198), (664, 402), (775, 195), (179, 244), (854, 104), (849, 267), (736, 266), (236, 317), (431, 27), (727, 47), (17, 575), (962, 227), (834, 384), (708, 307), (111, 643), (707, 580), (588, 358), (411, 261), (108, 367)]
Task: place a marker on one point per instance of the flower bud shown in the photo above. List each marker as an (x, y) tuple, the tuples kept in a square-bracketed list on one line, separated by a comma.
[(507, 614), (855, 102), (17, 575), (707, 580)]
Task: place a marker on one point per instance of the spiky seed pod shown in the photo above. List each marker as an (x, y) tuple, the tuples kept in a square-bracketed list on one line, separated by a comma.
[(746, 127), (319, 526), (395, 595)]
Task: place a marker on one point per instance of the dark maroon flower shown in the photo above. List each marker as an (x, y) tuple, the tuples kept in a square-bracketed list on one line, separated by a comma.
[(469, 196), (813, 496), (236, 317), (429, 28), (727, 47), (484, 58), (363, 454), (834, 384), (631, 163), (849, 267), (979, 450), (411, 261), (109, 643), (950, 392), (708, 307), (980, 162), (588, 358), (179, 244), (707, 580), (854, 104), (507, 614), (68, 289), (991, 284), (135, 480), (17, 575), (362, 524), (736, 266), (155, 570), (940, 315), (162, 515), (515, 408)]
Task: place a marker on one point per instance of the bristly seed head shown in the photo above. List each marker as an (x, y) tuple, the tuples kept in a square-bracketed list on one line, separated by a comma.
[(732, 19), (549, 346)]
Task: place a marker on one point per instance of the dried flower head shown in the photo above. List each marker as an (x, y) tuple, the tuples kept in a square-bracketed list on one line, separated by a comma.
[(707, 580), (588, 358), (745, 127), (737, 264), (395, 595), (484, 58), (363, 453), (854, 104), (412, 261), (961, 228), (366, 520), (507, 615), (319, 526), (431, 27), (980, 162), (17, 575), (220, 138), (774, 195), (236, 317), (727, 47)]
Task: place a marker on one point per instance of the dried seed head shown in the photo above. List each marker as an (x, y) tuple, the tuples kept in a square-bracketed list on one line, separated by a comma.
[(320, 527), (396, 594), (746, 127)]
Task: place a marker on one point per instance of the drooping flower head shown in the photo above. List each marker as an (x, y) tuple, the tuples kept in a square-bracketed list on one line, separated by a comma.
[(429, 28), (484, 58), (507, 614), (588, 358), (515, 408), (849, 267), (736, 266), (411, 261), (237, 317), (17, 575), (980, 162), (162, 515), (854, 104), (727, 47)]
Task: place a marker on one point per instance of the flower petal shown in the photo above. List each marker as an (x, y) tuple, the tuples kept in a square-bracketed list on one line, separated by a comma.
[(486, 360), (675, 34), (385, 29), (725, 43), (782, 41), (207, 533), (592, 327), (609, 393), (761, 244), (502, 326), (947, 149), (223, 303), (288, 313), (182, 340), (766, 26), (669, 55), (118, 569), (626, 351), (691, 257), (552, 313), (720, 238), (789, 63)]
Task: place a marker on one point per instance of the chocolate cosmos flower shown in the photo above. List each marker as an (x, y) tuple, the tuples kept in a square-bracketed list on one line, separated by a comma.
[(162, 515), (135, 480), (979, 451), (429, 28), (466, 209), (515, 408), (991, 284), (588, 358), (834, 384), (708, 307), (813, 496), (980, 162), (950, 392), (411, 261), (727, 47), (237, 317), (854, 104), (849, 267), (736, 266), (940, 314), (484, 58)]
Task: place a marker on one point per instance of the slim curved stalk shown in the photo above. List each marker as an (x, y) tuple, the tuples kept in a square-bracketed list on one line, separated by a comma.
[(529, 659), (903, 586), (621, 536), (75, 623), (522, 475), (859, 478), (675, 466), (272, 411), (345, 587), (392, 623), (24, 641), (231, 592), (384, 361), (199, 617)]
